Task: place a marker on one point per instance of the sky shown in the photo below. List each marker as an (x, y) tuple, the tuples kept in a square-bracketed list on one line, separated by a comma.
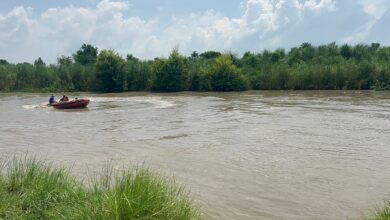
[(151, 28)]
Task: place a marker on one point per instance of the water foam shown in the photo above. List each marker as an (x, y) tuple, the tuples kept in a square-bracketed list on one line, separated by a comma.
[(35, 106), (158, 102)]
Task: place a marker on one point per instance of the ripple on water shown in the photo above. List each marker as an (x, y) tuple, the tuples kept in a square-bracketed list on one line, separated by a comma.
[(42, 105), (156, 102)]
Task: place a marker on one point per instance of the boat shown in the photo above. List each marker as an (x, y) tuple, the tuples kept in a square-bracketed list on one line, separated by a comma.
[(72, 104)]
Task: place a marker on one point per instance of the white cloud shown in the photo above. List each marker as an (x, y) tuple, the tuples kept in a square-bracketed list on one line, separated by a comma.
[(62, 30), (211, 30), (15, 24), (107, 5), (316, 6), (375, 9)]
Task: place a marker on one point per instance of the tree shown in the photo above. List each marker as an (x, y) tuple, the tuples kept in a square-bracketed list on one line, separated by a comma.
[(365, 75), (249, 59), (39, 62), (138, 75), (210, 55), (24, 76), (194, 55), (308, 52), (110, 72), (346, 51), (225, 76), (294, 56), (375, 46), (130, 57), (3, 62), (333, 49), (384, 54), (281, 53), (86, 54), (361, 52), (7, 77), (64, 60), (171, 75)]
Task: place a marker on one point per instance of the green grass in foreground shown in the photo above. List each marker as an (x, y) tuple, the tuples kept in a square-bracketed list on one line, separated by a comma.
[(381, 213), (31, 189)]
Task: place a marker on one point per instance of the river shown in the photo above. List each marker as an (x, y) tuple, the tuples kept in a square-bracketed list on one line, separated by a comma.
[(250, 155)]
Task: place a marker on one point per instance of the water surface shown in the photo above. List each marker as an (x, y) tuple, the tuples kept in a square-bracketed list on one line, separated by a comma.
[(252, 155)]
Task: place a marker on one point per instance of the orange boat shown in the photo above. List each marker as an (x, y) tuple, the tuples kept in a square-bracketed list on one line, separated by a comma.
[(72, 104)]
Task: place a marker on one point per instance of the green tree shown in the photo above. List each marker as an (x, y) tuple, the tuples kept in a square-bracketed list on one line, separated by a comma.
[(194, 55), (361, 52), (130, 57), (375, 47), (333, 49), (225, 76), (294, 56), (64, 60), (346, 51), (110, 72), (3, 62), (171, 75), (7, 77), (86, 54), (210, 54), (200, 78), (39, 62), (138, 75), (24, 76), (249, 60), (307, 52)]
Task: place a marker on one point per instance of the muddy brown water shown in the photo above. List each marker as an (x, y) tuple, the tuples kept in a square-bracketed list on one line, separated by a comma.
[(251, 155)]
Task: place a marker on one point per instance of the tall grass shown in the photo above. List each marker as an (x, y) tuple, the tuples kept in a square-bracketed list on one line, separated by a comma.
[(31, 189), (382, 213)]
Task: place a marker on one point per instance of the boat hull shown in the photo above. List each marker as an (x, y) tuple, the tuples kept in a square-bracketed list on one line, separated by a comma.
[(73, 104)]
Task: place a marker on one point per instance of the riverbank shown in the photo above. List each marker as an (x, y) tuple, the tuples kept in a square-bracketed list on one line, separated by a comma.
[(381, 213), (31, 189)]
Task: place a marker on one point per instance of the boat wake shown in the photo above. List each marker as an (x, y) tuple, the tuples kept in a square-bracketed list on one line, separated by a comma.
[(35, 106), (138, 102), (156, 102)]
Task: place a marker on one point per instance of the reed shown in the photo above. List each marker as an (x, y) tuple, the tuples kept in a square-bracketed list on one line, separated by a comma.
[(382, 213), (32, 189)]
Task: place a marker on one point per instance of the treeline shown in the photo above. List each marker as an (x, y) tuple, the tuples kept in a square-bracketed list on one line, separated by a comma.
[(306, 67)]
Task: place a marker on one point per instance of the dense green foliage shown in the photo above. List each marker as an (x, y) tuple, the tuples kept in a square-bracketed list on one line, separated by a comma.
[(110, 72), (30, 189), (170, 74), (306, 67), (86, 54), (225, 76)]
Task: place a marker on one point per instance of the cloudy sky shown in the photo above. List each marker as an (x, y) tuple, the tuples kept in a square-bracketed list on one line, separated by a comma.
[(151, 28)]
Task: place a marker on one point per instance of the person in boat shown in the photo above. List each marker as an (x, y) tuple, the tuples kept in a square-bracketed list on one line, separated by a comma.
[(64, 99), (51, 99)]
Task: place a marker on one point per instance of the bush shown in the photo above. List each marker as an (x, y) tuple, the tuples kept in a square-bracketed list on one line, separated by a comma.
[(225, 76)]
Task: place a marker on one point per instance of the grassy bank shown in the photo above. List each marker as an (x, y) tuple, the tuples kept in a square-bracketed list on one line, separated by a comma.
[(31, 189), (381, 213)]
